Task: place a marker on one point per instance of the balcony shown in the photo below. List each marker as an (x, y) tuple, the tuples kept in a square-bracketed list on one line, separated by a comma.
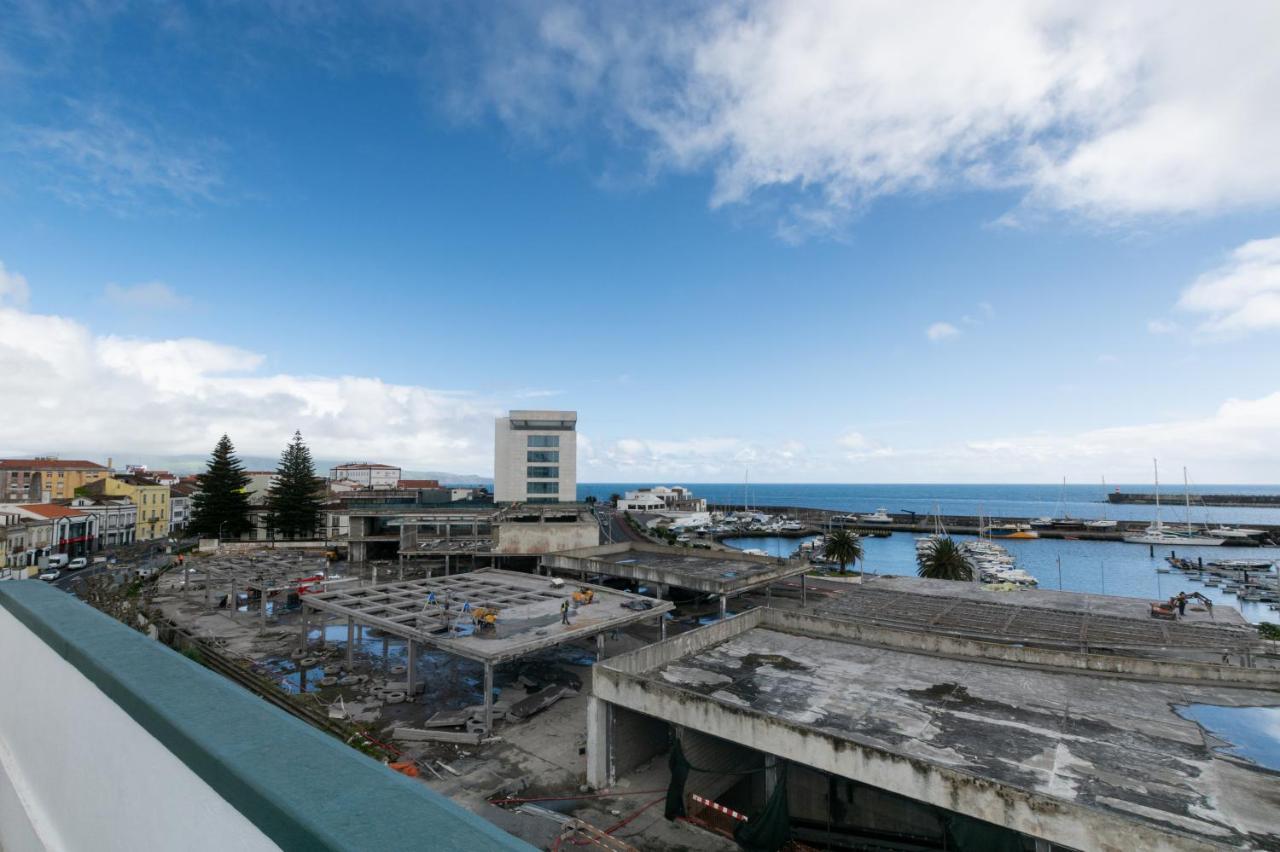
[(112, 741)]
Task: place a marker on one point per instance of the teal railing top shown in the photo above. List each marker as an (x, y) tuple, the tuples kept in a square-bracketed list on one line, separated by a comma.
[(301, 787)]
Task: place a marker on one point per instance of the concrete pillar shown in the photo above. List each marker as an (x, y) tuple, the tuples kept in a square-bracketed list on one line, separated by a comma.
[(774, 767), (401, 566), (302, 632), (488, 699), (599, 647), (804, 592), (351, 641), (724, 606), (768, 594), (598, 743), (662, 621), (411, 669), (446, 565), (231, 599), (262, 605)]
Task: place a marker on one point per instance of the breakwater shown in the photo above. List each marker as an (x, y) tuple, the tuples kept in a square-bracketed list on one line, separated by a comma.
[(1134, 498), (824, 519)]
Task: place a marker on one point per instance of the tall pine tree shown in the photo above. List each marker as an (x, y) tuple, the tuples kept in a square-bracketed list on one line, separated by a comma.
[(220, 508), (293, 501)]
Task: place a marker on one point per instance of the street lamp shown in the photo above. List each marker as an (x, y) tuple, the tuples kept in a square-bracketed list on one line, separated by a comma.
[(220, 526)]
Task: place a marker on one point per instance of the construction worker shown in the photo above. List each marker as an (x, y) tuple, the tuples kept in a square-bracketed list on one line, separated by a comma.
[(564, 611), (1182, 604)]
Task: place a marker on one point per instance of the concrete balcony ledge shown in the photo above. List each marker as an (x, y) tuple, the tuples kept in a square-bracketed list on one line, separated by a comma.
[(109, 740)]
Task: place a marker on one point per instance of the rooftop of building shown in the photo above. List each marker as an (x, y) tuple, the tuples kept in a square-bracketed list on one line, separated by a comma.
[(1020, 740), (363, 466), (710, 571), (418, 483), (1069, 619), (51, 510), (49, 464)]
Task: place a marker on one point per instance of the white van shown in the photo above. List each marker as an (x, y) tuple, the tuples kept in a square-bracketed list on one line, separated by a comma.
[(57, 560), (77, 563)]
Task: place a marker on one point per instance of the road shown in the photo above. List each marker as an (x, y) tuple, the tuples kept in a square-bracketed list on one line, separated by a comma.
[(614, 527)]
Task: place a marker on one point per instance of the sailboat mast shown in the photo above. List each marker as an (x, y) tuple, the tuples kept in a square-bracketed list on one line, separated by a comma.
[(1155, 466), (1186, 495)]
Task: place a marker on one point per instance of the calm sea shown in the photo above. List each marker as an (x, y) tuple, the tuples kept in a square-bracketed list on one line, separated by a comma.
[(1101, 567)]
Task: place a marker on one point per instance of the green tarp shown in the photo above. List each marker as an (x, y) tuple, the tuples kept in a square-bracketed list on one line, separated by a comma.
[(768, 830)]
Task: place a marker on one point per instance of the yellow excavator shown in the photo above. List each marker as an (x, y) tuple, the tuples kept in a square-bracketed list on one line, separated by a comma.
[(484, 616), (584, 596)]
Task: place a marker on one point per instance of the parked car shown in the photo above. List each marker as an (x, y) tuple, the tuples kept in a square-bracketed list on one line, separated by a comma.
[(50, 574), (77, 563)]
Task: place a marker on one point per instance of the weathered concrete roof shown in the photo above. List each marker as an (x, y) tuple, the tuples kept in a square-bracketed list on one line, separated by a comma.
[(1088, 760), (1068, 619), (528, 606), (712, 572)]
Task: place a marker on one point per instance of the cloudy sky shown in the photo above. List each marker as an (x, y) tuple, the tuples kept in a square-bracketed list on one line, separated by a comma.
[(851, 242)]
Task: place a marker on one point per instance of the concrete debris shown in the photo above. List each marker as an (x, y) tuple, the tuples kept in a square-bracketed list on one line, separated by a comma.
[(539, 701), (416, 735)]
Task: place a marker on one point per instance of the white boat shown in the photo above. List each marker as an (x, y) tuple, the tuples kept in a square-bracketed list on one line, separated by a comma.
[(1158, 533), (879, 516), (1235, 532)]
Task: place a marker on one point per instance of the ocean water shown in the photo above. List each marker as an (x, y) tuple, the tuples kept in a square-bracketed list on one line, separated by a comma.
[(1013, 501)]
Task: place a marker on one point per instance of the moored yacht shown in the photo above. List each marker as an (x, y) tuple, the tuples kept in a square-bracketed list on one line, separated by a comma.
[(879, 516)]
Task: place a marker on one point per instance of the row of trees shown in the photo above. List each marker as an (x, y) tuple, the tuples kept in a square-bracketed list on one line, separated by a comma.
[(220, 509)]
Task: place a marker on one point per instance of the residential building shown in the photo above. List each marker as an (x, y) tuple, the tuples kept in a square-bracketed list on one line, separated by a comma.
[(366, 474), (536, 457), (151, 498), (26, 539), (56, 529), (117, 519), (163, 477), (415, 484), (660, 498), (46, 478), (180, 506)]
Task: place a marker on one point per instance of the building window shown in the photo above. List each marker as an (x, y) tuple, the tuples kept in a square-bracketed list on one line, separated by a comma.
[(544, 456), (544, 487), (544, 440), (544, 473)]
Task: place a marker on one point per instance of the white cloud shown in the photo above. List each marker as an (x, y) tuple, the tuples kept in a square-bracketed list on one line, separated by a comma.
[(1108, 358), (13, 288), (941, 331), (725, 459), (1243, 294), (91, 155), (1161, 326), (78, 390), (151, 296), (1088, 108)]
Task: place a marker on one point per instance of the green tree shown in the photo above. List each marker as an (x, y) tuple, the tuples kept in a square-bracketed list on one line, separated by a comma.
[(221, 506), (843, 547), (944, 561), (293, 500)]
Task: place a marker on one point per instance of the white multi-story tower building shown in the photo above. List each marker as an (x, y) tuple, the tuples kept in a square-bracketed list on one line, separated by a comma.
[(536, 457)]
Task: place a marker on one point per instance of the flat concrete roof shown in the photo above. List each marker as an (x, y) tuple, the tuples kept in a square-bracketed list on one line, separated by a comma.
[(528, 606), (1089, 760), (1063, 619), (709, 571)]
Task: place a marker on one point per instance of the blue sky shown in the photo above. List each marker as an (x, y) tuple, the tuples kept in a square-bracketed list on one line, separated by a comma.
[(723, 235)]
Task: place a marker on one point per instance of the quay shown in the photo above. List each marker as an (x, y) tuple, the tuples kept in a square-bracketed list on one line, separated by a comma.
[(1130, 497), (818, 520)]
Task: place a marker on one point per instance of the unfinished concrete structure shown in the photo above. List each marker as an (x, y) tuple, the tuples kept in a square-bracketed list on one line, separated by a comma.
[(1050, 619), (447, 613), (1084, 751), (717, 573)]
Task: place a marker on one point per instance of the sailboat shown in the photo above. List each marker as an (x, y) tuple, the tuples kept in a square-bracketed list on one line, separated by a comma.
[(1158, 533), (1062, 521), (1102, 524)]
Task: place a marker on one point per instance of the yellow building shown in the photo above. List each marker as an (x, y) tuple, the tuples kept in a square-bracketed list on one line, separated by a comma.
[(151, 498), (40, 479)]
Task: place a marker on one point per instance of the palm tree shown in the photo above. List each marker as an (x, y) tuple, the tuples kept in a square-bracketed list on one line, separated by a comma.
[(844, 547), (944, 561)]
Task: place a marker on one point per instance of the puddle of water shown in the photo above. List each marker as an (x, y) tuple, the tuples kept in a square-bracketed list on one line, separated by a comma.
[(712, 619), (1254, 732)]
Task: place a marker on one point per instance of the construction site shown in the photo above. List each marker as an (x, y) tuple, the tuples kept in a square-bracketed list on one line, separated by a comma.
[(611, 695)]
